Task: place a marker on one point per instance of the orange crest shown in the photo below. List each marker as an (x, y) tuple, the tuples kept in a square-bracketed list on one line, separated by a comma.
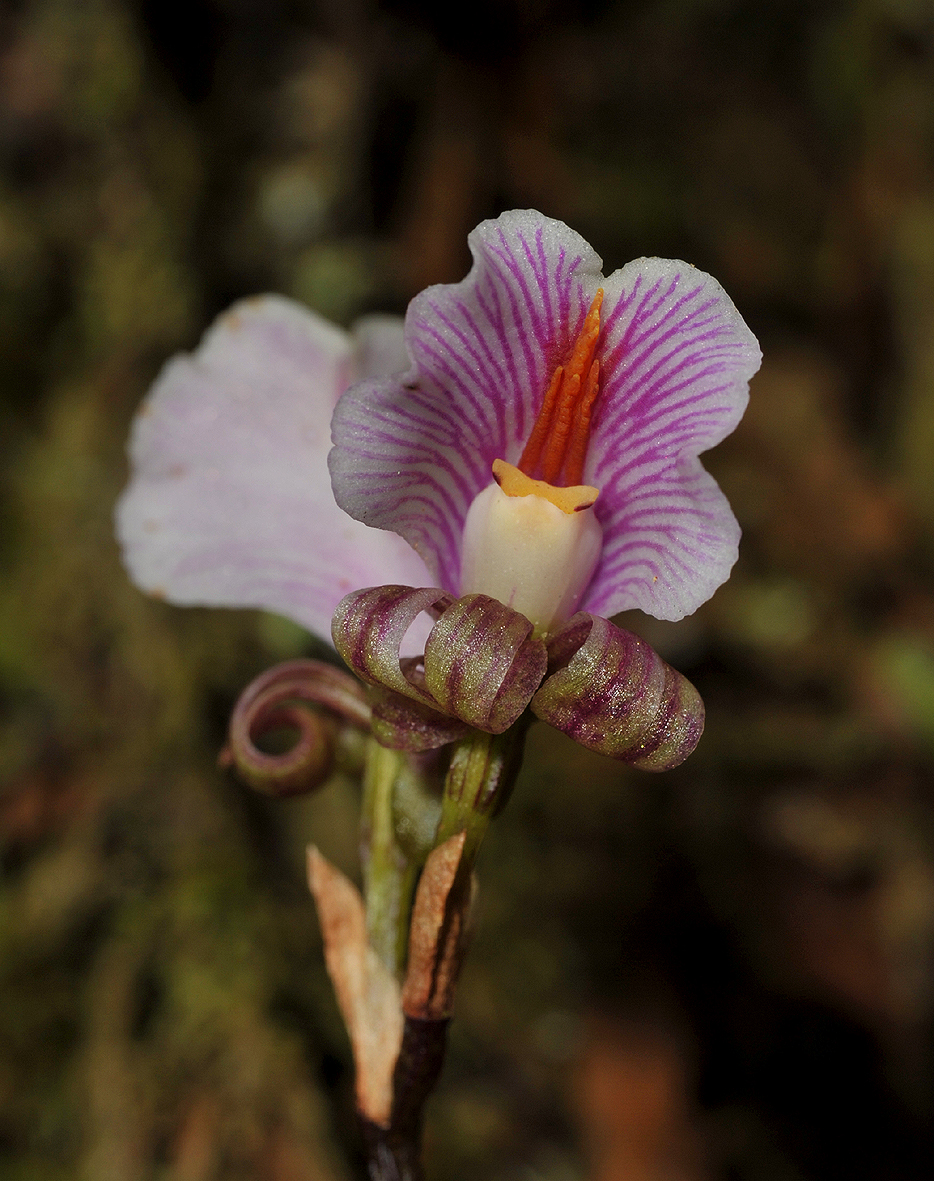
[(558, 442)]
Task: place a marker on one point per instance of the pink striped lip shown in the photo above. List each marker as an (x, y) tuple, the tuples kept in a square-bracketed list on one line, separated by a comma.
[(673, 358)]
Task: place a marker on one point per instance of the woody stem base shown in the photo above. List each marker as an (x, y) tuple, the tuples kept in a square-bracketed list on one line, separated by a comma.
[(394, 1153)]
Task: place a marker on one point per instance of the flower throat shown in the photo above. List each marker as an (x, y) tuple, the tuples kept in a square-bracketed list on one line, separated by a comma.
[(531, 539)]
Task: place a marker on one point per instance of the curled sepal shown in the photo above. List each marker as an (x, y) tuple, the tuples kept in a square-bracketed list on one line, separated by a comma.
[(369, 626), (482, 663), (279, 699), (403, 724), (611, 692)]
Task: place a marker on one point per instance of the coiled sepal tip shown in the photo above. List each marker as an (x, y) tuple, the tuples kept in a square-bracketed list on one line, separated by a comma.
[(306, 698)]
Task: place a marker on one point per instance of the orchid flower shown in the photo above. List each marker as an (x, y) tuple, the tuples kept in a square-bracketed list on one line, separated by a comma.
[(520, 463), (535, 443)]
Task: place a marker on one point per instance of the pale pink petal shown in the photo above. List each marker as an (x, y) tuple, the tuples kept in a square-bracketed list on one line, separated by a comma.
[(229, 502), (379, 346)]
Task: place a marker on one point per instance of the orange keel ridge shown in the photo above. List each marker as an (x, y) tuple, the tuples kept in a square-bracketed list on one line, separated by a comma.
[(559, 438)]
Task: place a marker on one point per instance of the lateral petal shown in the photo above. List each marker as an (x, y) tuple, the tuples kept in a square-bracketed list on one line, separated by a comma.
[(229, 502)]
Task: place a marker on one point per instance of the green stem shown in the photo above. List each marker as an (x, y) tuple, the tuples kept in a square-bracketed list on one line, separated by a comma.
[(388, 873), (481, 775)]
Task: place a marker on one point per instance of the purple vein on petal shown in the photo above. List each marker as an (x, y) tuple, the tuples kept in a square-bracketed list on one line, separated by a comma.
[(442, 367), (524, 343), (493, 311), (540, 308), (667, 413), (639, 347), (507, 257), (610, 317), (542, 272), (666, 366), (476, 347)]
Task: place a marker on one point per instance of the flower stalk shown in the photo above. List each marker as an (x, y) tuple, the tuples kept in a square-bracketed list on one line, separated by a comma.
[(389, 872), (480, 779), (424, 948)]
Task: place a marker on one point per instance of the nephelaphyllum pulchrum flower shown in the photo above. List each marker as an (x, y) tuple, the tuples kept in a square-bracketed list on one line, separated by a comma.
[(461, 502)]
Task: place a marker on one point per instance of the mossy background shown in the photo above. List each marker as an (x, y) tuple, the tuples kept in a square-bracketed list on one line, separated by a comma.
[(725, 972)]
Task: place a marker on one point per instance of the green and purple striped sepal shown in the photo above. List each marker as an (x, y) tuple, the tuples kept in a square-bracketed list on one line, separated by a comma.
[(611, 692), (602, 686), (480, 668)]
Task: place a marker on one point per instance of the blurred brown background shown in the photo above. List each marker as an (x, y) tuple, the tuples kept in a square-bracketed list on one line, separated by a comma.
[(722, 973)]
